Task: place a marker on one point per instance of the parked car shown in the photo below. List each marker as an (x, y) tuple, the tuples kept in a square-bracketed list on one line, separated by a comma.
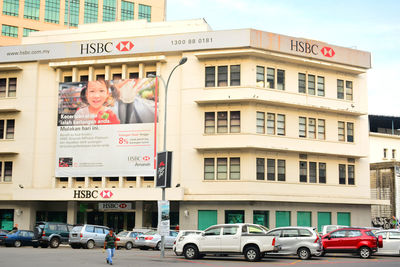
[(297, 240), (352, 240), (51, 234), (391, 242), (17, 238), (127, 238), (251, 240), (87, 236), (329, 228), (152, 239)]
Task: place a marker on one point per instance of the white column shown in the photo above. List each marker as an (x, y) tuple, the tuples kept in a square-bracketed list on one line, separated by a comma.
[(124, 74), (139, 214), (91, 73), (141, 70), (75, 74), (107, 72), (72, 209)]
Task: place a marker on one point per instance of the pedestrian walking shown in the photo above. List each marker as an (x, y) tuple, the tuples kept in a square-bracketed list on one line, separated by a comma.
[(110, 243)]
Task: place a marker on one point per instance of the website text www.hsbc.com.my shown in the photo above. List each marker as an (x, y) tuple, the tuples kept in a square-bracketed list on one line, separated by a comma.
[(27, 52)]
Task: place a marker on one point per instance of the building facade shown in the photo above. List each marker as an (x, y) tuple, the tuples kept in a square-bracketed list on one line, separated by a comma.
[(19, 18), (264, 128), (384, 138)]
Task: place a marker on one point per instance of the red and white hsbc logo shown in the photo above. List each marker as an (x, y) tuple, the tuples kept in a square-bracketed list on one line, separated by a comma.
[(124, 46), (106, 194), (106, 47), (305, 47)]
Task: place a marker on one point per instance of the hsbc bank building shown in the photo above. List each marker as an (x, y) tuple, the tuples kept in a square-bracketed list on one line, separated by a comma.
[(263, 127)]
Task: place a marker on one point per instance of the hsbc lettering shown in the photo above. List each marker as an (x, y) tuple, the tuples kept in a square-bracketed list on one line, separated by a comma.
[(86, 194), (96, 48), (304, 47)]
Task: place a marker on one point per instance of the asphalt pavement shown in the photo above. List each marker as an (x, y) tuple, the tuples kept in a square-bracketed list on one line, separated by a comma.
[(64, 256)]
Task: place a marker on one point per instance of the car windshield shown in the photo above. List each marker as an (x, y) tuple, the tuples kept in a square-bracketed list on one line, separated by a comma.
[(77, 229), (123, 233)]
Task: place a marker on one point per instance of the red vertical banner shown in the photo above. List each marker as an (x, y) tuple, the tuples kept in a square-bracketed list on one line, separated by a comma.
[(155, 123)]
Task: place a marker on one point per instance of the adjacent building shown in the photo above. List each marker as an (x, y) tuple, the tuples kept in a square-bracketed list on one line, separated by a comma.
[(19, 18), (264, 127), (384, 135)]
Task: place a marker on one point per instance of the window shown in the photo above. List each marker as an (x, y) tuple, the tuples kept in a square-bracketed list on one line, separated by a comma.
[(324, 218), (282, 218), (302, 83), (222, 169), (271, 169), (309, 174), (349, 90), (350, 132), (234, 169), (270, 78), (222, 75), (210, 76), (321, 86), (109, 10), (235, 75), (311, 128), (349, 177), (234, 216), (394, 235), (144, 12), (270, 123), (230, 230), (67, 79), (91, 11), (302, 126), (340, 89), (260, 169), (26, 32), (7, 129), (321, 129), (235, 122), (52, 11), (261, 217), (260, 122), (281, 170), (222, 122), (303, 171), (71, 12), (8, 87), (385, 153), (260, 76), (280, 126), (311, 84), (209, 169), (393, 153), (209, 122), (322, 173), (303, 219), (127, 10), (346, 131), (280, 80), (31, 9), (207, 218), (7, 30), (6, 171), (10, 7)]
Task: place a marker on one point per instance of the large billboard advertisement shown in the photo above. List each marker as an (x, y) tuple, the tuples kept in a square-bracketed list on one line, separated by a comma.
[(107, 128)]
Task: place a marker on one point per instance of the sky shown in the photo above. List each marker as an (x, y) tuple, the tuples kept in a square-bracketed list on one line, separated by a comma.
[(368, 25)]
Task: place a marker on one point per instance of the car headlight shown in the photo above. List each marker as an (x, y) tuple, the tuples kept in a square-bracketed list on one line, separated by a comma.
[(181, 238)]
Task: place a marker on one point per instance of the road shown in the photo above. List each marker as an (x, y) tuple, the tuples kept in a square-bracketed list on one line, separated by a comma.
[(67, 257)]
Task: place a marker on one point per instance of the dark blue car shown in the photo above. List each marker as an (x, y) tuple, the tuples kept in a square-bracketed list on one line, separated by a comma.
[(17, 238)]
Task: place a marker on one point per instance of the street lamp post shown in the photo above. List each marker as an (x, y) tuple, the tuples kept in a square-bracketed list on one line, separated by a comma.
[(181, 62)]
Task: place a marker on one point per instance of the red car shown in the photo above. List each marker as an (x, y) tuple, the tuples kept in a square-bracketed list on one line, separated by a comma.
[(352, 240)]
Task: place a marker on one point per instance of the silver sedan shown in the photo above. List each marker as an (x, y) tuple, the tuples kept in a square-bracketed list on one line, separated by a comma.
[(391, 242), (152, 239)]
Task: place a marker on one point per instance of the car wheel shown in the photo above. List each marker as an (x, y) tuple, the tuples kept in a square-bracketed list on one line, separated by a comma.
[(158, 246), (128, 246), (90, 244), (190, 252), (252, 253), (304, 253), (17, 243), (365, 252), (54, 242)]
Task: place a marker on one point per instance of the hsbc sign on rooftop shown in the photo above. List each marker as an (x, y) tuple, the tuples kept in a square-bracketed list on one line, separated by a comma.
[(310, 48), (105, 47)]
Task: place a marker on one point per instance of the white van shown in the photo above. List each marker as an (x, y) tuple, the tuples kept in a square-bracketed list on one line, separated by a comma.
[(329, 228)]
